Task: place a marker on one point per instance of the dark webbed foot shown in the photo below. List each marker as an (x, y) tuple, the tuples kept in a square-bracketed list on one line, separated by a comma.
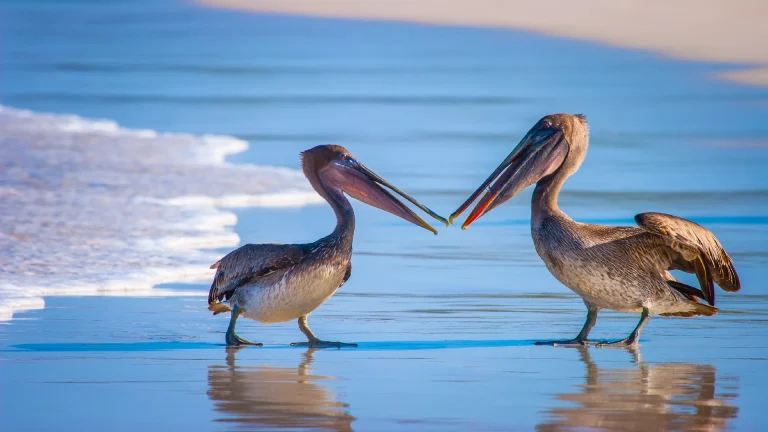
[(313, 341), (566, 343), (235, 340), (323, 344), (623, 343), (633, 338), (581, 338)]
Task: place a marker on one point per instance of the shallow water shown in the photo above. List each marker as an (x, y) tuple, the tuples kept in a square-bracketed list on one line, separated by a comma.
[(444, 323), (139, 362)]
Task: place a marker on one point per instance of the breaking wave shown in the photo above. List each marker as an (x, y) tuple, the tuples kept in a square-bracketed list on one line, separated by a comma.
[(90, 208)]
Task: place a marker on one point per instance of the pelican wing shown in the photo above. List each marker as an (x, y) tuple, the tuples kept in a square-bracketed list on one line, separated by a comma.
[(248, 263), (703, 253)]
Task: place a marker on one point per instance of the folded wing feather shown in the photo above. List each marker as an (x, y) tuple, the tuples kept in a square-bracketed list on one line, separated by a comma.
[(248, 263), (704, 253)]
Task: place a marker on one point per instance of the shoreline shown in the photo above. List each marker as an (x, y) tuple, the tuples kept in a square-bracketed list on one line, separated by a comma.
[(724, 32), (60, 238)]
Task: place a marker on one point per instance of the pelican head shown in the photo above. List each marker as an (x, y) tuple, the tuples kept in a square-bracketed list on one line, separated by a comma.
[(555, 141), (335, 167)]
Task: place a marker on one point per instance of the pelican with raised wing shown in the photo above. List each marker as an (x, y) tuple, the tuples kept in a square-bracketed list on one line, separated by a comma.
[(272, 283), (625, 269)]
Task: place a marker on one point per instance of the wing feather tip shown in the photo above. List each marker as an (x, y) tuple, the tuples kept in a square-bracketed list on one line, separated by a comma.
[(715, 259)]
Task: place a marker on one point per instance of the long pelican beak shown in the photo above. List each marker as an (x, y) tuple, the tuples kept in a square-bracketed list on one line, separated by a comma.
[(538, 155), (362, 184)]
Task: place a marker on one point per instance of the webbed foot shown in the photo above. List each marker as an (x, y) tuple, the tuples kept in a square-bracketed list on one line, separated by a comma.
[(633, 338), (232, 339), (313, 341), (623, 343), (235, 340)]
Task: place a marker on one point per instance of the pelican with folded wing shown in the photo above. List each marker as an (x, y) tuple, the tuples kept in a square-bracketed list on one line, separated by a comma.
[(625, 269), (272, 283)]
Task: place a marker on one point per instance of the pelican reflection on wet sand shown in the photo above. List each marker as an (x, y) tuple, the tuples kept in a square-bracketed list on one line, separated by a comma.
[(272, 283), (270, 398), (647, 397), (625, 269)]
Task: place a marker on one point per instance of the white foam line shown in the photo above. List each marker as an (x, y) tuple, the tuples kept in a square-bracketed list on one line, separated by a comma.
[(90, 208), (289, 198)]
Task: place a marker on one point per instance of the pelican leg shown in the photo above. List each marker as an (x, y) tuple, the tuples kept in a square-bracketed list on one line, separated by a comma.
[(233, 339), (633, 337), (313, 341), (581, 338)]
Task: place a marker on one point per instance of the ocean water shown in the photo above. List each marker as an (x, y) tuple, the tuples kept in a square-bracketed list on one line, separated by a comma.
[(205, 112), (92, 208)]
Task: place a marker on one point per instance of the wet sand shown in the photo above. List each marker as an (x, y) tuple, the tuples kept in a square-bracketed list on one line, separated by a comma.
[(713, 30), (466, 364), (445, 324)]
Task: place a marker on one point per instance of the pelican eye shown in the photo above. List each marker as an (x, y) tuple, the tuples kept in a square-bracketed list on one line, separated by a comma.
[(347, 159), (546, 124)]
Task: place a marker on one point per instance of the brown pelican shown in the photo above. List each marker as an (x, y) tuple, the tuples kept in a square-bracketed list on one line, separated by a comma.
[(272, 283), (625, 269)]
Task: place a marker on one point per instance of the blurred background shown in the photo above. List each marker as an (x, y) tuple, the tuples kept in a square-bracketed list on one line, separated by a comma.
[(141, 140)]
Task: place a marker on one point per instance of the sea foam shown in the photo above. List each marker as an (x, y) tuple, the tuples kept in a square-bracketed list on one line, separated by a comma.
[(90, 208)]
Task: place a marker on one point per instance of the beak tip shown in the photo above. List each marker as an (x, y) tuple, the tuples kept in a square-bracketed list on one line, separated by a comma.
[(437, 216)]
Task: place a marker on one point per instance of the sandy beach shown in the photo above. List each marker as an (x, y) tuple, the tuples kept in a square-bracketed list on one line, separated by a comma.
[(108, 226), (732, 32)]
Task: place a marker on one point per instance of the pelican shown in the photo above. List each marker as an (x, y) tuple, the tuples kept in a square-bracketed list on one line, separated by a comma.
[(272, 283), (625, 269)]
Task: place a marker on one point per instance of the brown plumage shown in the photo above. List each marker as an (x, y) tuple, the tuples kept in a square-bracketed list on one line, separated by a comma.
[(248, 263), (699, 247), (273, 283), (620, 268)]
